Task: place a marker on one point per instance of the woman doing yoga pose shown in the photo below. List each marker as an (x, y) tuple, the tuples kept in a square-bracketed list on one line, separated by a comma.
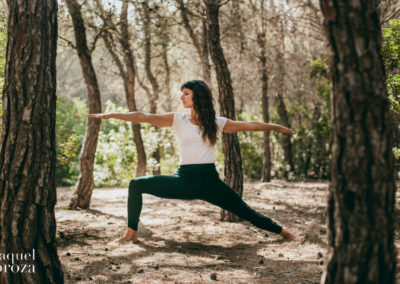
[(196, 177)]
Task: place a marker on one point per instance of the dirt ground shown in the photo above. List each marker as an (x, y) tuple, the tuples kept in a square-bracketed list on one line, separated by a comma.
[(184, 241)]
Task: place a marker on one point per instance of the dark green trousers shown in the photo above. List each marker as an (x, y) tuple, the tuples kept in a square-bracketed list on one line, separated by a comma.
[(199, 181)]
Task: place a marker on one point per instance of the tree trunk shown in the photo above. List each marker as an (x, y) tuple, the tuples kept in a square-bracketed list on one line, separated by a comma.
[(85, 184), (282, 112), (266, 167), (153, 80), (129, 87), (128, 76), (261, 27), (130, 90), (286, 142), (167, 74), (200, 46), (230, 142), (28, 147), (129, 82), (205, 63), (361, 203)]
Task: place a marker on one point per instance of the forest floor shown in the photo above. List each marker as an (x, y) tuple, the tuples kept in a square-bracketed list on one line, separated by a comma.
[(185, 242)]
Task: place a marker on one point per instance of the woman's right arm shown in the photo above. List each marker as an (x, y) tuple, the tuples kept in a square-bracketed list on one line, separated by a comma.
[(160, 120)]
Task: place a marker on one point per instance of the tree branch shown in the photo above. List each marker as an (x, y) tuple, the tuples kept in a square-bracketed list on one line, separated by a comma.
[(391, 16), (223, 3), (70, 43), (96, 38)]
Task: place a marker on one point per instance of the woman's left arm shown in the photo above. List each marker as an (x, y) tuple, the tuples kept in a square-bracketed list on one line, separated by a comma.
[(232, 126)]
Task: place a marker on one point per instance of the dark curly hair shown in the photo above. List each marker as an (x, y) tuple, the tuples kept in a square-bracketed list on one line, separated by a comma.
[(204, 107)]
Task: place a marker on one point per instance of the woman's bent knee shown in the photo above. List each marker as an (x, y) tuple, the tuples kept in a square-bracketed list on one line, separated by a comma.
[(139, 184), (133, 186)]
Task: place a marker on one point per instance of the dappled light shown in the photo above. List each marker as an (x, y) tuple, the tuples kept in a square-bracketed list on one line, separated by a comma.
[(183, 241)]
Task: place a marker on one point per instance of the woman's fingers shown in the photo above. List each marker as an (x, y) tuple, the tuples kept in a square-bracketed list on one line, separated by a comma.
[(98, 115), (288, 131)]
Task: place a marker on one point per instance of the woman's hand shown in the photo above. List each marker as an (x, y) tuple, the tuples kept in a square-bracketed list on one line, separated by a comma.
[(160, 120), (100, 115), (287, 130), (232, 126)]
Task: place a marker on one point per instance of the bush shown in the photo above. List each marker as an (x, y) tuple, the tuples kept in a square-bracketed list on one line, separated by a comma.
[(391, 56), (70, 131), (251, 148), (116, 157)]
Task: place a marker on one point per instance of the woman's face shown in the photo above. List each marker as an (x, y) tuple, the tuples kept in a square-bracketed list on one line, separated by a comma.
[(186, 98)]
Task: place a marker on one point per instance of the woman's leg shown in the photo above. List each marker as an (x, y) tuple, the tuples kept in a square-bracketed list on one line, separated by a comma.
[(222, 195), (163, 186)]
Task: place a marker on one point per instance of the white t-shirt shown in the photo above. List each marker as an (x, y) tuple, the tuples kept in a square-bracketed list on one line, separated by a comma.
[(193, 149)]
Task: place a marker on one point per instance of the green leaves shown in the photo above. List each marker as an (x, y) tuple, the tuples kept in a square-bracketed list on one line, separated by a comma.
[(70, 131), (391, 45), (391, 57)]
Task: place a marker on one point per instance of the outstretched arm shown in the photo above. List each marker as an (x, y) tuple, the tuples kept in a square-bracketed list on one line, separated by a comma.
[(160, 120), (233, 126)]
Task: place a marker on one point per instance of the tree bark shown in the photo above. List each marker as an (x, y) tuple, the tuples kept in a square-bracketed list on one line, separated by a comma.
[(128, 75), (167, 73), (230, 142), (205, 62), (201, 45), (261, 26), (266, 166), (361, 202), (84, 187), (153, 80), (130, 94), (286, 142), (282, 112), (28, 147)]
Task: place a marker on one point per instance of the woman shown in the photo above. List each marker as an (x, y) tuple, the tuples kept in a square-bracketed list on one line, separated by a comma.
[(196, 177)]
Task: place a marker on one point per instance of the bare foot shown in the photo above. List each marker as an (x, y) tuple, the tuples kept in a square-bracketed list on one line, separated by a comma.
[(288, 235), (131, 236)]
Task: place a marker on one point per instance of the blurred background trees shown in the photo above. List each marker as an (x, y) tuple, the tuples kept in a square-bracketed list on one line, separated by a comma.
[(295, 62)]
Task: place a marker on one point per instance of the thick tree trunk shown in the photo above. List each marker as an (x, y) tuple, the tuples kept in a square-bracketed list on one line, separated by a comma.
[(361, 204), (84, 187), (266, 167), (230, 142), (28, 148)]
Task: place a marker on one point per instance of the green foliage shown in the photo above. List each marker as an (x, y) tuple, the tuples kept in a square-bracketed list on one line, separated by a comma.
[(251, 148), (391, 45), (70, 131), (391, 56), (116, 157), (319, 69), (311, 143), (320, 75)]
